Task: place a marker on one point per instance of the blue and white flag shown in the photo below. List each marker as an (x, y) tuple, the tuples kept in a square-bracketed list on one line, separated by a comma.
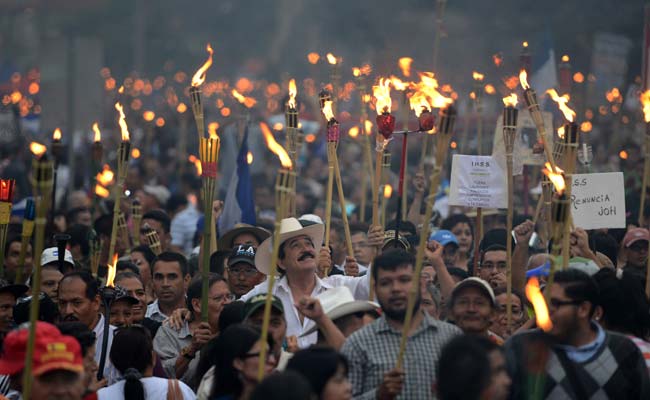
[(239, 206)]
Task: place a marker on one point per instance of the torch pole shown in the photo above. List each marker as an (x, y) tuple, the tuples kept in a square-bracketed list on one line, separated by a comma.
[(281, 190), (445, 127), (344, 214), (536, 115), (209, 152), (385, 169), (136, 219), (26, 234), (197, 110), (122, 161), (377, 182), (108, 295), (42, 181), (560, 216), (509, 131), (95, 251), (331, 149), (646, 171), (401, 206), (571, 147)]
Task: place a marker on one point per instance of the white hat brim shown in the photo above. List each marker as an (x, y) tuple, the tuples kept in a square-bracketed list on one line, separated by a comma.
[(265, 251), (346, 309)]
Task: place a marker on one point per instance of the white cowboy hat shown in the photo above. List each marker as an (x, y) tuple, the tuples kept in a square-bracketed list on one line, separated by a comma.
[(338, 302), (289, 228)]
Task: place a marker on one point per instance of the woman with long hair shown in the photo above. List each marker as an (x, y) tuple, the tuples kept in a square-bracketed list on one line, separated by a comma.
[(325, 369), (133, 356), (237, 351)]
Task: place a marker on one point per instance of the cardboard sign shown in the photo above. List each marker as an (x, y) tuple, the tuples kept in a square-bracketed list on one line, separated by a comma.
[(477, 181), (598, 200), (526, 151)]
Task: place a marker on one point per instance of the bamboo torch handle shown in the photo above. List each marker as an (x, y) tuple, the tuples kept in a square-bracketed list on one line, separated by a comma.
[(330, 187), (344, 214), (509, 241), (375, 185)]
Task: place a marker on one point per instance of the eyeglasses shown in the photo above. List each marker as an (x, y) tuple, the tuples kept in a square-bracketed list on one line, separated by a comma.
[(248, 272), (224, 298), (555, 303), (501, 265)]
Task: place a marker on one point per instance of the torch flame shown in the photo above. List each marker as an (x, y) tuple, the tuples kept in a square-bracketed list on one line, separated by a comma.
[(121, 90), (98, 133), (106, 176), (523, 79), (645, 101), (212, 129), (293, 91), (397, 83), (249, 158), (123, 127), (37, 149), (112, 270), (57, 134), (356, 71), (381, 92), (275, 147), (536, 297), (510, 101), (477, 76), (331, 58), (199, 76), (562, 101), (367, 125), (101, 191), (353, 132), (388, 191), (405, 65), (557, 177), (560, 132), (426, 95), (248, 102), (197, 164), (327, 110)]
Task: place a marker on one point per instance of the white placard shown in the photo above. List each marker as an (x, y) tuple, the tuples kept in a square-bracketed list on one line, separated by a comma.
[(477, 181), (598, 200)]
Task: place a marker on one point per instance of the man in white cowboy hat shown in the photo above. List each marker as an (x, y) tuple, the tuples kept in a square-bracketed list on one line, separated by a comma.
[(300, 248)]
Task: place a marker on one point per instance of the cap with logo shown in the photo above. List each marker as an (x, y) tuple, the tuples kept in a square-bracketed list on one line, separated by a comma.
[(444, 237), (244, 253), (258, 301), (51, 254), (52, 351)]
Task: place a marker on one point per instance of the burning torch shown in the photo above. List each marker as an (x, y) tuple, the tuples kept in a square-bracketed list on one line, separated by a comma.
[(282, 198), (510, 113), (195, 94), (385, 128), (108, 295)]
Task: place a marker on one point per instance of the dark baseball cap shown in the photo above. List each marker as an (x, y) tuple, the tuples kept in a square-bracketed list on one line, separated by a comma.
[(244, 253), (258, 301)]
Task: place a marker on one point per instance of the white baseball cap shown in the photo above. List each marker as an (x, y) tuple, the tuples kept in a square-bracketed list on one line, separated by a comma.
[(51, 255)]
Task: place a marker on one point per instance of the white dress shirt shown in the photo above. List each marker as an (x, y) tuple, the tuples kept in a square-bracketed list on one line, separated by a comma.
[(110, 372), (357, 285)]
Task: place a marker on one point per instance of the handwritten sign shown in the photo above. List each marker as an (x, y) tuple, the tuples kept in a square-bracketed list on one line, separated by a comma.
[(598, 200), (477, 181)]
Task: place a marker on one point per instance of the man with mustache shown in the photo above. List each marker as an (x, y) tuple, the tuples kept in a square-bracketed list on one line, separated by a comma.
[(372, 351), (300, 248), (79, 300), (132, 283)]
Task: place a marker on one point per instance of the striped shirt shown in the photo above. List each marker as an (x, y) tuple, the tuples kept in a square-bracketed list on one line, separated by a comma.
[(372, 351)]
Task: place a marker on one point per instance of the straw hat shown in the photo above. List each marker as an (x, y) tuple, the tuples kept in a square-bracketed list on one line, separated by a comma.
[(338, 302), (289, 228)]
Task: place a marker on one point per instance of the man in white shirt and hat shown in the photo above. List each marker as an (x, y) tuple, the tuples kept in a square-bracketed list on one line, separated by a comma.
[(300, 248)]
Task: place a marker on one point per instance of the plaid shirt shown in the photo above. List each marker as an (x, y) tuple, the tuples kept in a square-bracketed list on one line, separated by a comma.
[(372, 351)]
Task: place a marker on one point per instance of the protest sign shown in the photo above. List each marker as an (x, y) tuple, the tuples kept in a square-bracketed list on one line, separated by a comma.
[(598, 200), (477, 181)]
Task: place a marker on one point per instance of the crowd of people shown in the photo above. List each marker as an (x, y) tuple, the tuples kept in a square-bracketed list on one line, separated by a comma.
[(336, 319)]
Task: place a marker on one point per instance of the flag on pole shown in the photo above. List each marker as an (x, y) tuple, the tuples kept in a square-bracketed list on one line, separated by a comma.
[(239, 206)]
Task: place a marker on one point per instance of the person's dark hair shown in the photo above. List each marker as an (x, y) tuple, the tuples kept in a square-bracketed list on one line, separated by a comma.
[(579, 286), (520, 295), (71, 215), (493, 247), (287, 385), (103, 225), (318, 364), (458, 272), (79, 236), (194, 290), (126, 275), (123, 266), (606, 244), (92, 286), (232, 313), (170, 256), (359, 227), (404, 226), (175, 200), (218, 261), (79, 331), (149, 255), (12, 238), (234, 342), (160, 216), (451, 221), (622, 299), (494, 237), (48, 310), (390, 260), (463, 371), (132, 353)]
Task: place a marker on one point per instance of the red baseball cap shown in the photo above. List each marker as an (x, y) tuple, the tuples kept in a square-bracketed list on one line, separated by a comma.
[(635, 235), (52, 351)]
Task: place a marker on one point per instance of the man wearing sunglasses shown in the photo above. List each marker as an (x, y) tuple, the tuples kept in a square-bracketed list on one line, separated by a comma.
[(576, 358)]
